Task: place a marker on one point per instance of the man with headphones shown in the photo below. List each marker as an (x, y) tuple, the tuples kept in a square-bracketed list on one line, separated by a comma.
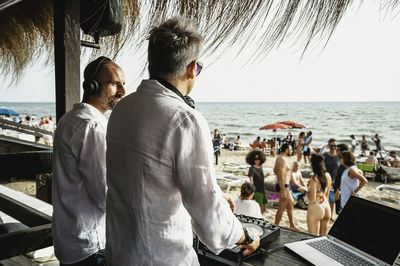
[(79, 167), (160, 170)]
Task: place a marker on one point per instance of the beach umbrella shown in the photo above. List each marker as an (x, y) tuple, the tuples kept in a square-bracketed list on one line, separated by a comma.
[(293, 124), (275, 126), (5, 111)]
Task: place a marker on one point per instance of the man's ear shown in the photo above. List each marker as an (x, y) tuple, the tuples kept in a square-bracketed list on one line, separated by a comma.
[(191, 70)]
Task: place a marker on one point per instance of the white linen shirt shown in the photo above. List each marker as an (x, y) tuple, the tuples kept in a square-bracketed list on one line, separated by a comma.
[(161, 182), (79, 184)]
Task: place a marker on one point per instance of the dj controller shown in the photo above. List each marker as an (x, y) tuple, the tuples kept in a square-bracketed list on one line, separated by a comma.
[(233, 255)]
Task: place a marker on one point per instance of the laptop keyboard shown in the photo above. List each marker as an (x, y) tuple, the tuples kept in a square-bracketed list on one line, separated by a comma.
[(338, 253)]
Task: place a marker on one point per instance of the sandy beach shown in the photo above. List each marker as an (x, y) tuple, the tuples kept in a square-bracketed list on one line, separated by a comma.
[(368, 192)]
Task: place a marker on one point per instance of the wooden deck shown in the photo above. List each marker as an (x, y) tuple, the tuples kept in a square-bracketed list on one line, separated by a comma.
[(18, 207)]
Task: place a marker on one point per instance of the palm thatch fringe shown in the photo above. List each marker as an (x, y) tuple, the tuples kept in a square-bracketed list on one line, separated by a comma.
[(27, 27)]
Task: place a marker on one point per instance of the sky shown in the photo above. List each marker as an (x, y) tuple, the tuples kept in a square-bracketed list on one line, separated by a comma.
[(361, 62)]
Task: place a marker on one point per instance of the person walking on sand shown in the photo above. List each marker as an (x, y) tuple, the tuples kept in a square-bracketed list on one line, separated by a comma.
[(282, 172), (307, 147), (318, 212), (354, 143), (378, 145), (352, 179), (332, 164), (160, 191), (256, 175), (364, 146), (217, 142), (338, 179), (300, 145), (79, 183)]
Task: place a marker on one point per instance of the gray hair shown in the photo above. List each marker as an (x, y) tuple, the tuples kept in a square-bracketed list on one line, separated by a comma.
[(172, 47)]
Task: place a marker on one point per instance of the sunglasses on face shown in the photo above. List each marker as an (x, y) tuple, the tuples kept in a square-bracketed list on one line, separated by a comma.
[(333, 146), (199, 67)]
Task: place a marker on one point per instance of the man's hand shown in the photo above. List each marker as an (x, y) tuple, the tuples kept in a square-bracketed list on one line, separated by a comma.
[(230, 202), (250, 248)]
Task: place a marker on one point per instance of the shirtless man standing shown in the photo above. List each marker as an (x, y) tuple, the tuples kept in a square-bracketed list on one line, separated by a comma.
[(282, 171)]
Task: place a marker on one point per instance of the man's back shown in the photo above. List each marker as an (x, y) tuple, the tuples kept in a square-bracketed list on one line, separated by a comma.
[(160, 175)]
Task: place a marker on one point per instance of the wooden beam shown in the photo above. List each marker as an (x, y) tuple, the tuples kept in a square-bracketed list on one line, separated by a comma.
[(67, 54), (23, 213), (24, 241)]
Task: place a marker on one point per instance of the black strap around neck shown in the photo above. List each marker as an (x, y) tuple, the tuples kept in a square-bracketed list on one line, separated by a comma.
[(188, 100)]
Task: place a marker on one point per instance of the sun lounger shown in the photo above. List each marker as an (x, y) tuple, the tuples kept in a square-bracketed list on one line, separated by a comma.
[(235, 168), (389, 190), (391, 172), (230, 180), (368, 170)]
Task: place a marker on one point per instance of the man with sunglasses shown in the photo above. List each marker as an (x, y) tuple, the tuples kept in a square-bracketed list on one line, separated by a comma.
[(160, 171), (338, 180), (332, 164)]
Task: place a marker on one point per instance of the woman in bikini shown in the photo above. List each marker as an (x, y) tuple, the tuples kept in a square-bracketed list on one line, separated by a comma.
[(318, 212)]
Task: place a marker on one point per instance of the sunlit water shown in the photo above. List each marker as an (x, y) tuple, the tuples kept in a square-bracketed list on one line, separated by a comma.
[(325, 120)]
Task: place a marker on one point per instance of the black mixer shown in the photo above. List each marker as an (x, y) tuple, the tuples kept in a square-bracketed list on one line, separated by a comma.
[(233, 256)]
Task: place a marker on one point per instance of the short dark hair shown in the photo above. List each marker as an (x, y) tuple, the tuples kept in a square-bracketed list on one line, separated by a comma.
[(172, 47), (284, 147), (348, 158), (392, 152), (352, 136), (251, 155), (342, 147), (247, 189), (331, 140)]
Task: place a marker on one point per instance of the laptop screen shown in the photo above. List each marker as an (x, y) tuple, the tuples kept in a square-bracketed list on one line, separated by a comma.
[(370, 227)]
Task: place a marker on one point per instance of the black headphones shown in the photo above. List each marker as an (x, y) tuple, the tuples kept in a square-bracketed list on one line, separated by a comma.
[(91, 86)]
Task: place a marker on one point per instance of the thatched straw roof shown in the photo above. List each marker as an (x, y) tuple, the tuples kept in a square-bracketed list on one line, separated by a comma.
[(27, 27)]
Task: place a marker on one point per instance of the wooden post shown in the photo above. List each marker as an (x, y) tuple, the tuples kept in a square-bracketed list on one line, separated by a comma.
[(67, 54)]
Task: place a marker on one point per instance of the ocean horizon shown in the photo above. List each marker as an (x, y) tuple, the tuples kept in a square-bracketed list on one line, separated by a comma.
[(326, 120)]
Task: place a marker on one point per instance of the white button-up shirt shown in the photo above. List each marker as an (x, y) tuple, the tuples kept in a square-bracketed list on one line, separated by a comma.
[(161, 182), (79, 184)]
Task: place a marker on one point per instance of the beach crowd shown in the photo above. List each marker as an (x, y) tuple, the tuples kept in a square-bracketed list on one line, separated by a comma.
[(335, 177)]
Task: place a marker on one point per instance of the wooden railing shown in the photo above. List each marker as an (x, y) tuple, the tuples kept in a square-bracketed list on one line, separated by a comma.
[(35, 131)]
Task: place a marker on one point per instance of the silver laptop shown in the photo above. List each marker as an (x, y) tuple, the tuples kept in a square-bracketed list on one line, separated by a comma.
[(365, 233)]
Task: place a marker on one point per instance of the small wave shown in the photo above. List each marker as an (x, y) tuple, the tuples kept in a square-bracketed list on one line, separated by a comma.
[(234, 125)]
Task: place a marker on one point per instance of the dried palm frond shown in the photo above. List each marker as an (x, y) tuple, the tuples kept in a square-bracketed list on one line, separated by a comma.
[(27, 27)]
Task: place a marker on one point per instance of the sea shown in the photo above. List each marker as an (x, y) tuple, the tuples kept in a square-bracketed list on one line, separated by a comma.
[(326, 120)]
